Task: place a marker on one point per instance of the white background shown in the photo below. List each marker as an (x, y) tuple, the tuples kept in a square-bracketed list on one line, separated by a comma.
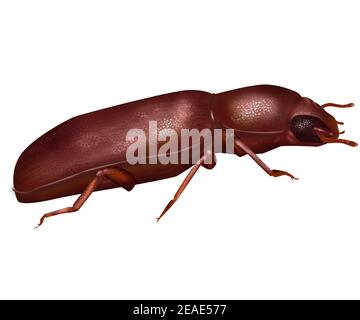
[(235, 232)]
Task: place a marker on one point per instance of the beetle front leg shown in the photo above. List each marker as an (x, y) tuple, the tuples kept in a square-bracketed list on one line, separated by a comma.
[(240, 146), (117, 175)]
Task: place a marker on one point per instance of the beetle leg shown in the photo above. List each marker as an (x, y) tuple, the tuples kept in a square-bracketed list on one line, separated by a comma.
[(240, 147), (117, 175), (209, 159), (188, 178)]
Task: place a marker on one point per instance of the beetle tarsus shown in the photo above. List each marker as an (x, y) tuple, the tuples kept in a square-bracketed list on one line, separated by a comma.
[(168, 206), (57, 212), (279, 173)]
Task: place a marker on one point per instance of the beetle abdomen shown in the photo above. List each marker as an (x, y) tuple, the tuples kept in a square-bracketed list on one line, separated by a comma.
[(78, 147)]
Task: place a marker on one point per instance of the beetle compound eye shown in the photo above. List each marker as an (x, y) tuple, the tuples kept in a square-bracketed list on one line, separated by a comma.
[(303, 128)]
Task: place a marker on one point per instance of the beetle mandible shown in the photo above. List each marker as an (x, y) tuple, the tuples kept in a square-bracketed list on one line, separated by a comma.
[(88, 153)]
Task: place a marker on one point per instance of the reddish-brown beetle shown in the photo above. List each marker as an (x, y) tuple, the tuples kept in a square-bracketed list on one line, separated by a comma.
[(88, 153)]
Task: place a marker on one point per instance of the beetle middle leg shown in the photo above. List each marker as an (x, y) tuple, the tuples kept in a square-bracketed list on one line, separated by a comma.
[(117, 175), (240, 146), (208, 165)]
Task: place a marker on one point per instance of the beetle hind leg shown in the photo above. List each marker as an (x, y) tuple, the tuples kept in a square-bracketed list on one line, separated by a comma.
[(119, 176)]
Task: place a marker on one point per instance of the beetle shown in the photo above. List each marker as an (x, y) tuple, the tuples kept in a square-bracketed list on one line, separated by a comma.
[(88, 153)]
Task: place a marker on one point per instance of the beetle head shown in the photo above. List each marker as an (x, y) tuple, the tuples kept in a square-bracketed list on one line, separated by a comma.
[(268, 116), (311, 125)]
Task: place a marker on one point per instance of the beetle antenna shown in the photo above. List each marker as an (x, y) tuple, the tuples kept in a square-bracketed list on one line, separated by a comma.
[(325, 139), (344, 141), (330, 104), (339, 122), (337, 140)]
